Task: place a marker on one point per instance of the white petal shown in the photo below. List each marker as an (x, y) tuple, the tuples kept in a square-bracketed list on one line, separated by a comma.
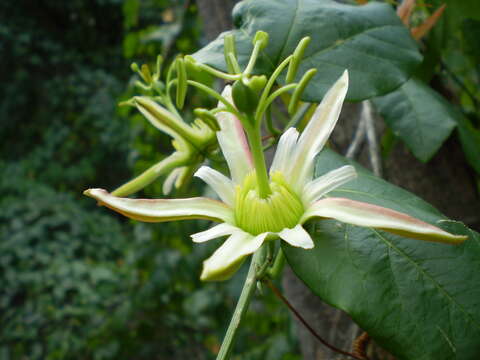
[(315, 189), (159, 210), (214, 232), (228, 257), (171, 179), (222, 185), (318, 130), (233, 142), (282, 160), (297, 237), (369, 215)]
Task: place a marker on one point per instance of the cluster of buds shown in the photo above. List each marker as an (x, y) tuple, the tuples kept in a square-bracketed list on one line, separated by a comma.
[(194, 143)]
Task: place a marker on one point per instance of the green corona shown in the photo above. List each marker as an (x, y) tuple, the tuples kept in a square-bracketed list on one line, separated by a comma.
[(255, 215)]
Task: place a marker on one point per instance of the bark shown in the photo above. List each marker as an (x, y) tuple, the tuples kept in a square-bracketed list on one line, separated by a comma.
[(216, 15)]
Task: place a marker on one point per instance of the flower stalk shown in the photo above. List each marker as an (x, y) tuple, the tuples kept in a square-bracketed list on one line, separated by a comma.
[(248, 291)]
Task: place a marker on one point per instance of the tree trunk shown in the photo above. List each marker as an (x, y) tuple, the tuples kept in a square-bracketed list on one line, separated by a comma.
[(216, 15)]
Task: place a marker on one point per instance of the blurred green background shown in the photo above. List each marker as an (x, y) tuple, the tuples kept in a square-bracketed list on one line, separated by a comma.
[(78, 281)]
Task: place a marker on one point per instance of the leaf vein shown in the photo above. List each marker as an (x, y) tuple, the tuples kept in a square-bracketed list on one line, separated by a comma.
[(422, 271), (347, 39)]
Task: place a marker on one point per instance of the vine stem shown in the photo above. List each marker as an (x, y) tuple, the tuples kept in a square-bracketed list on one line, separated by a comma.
[(304, 322), (243, 301)]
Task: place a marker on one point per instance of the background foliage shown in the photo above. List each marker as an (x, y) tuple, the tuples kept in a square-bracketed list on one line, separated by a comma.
[(78, 282)]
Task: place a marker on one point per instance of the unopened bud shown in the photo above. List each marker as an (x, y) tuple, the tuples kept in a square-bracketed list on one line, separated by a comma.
[(296, 59), (295, 100), (244, 96), (257, 83), (158, 71), (230, 54), (146, 74), (181, 82), (261, 37)]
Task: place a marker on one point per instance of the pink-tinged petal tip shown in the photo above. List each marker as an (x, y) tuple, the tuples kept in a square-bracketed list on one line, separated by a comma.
[(369, 215), (160, 210)]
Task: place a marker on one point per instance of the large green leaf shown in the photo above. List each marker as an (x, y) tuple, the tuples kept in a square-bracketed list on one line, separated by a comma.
[(369, 41), (419, 300), (419, 116), (470, 139)]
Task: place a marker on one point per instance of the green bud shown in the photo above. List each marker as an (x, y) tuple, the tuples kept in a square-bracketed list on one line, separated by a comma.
[(158, 71), (181, 82), (257, 83), (146, 74), (297, 58), (134, 67), (245, 98), (230, 53), (262, 38), (191, 65), (295, 99)]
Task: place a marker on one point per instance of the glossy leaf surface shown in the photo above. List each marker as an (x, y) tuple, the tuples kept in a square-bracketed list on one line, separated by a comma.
[(418, 300), (419, 116), (370, 41), (470, 139)]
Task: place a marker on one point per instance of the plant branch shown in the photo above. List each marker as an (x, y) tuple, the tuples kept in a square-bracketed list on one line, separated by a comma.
[(304, 322), (358, 139), (373, 150)]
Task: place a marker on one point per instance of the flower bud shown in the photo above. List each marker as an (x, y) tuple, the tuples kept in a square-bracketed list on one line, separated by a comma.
[(230, 53), (297, 58), (262, 37), (245, 93), (295, 99), (181, 82), (245, 99)]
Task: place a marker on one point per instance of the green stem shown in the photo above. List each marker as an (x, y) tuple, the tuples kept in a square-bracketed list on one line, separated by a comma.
[(255, 141), (148, 176), (168, 103), (253, 59), (242, 306), (278, 264), (218, 73), (229, 107), (271, 81), (273, 130), (261, 108)]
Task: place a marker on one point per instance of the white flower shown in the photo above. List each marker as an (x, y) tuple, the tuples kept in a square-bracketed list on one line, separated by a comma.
[(295, 198)]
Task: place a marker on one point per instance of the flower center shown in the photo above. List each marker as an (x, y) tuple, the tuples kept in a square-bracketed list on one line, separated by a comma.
[(281, 209)]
